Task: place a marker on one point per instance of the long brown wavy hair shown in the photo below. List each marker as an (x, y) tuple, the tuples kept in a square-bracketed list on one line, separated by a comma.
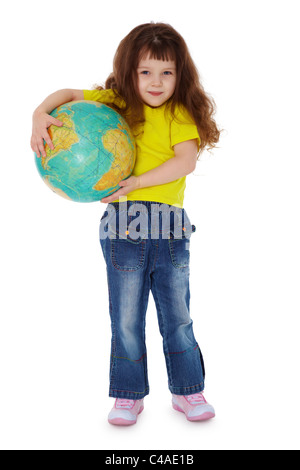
[(162, 42)]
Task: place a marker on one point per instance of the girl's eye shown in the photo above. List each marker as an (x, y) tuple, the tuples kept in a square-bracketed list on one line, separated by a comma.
[(146, 72)]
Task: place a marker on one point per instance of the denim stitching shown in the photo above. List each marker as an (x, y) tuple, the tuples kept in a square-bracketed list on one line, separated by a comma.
[(190, 387), (185, 351), (129, 391), (113, 363), (136, 361)]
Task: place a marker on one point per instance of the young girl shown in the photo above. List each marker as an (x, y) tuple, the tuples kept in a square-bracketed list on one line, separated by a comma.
[(155, 86)]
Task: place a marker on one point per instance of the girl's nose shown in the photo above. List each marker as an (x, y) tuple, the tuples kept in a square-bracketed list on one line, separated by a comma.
[(157, 81)]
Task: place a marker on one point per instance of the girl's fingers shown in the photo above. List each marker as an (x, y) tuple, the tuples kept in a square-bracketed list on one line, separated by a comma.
[(40, 134), (42, 148), (48, 141), (35, 148), (56, 122), (115, 195)]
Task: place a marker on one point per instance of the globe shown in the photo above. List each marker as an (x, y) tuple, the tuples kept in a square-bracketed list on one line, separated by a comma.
[(93, 151)]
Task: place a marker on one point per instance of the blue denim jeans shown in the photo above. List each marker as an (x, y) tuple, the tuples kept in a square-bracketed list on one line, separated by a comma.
[(145, 253)]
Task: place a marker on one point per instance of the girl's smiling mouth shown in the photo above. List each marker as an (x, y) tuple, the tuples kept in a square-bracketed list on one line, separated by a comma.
[(155, 93)]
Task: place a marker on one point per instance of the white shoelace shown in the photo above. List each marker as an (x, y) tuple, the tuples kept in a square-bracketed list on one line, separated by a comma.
[(196, 399), (123, 403)]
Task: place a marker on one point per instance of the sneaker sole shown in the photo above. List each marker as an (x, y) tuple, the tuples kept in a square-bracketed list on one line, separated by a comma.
[(122, 421), (202, 417)]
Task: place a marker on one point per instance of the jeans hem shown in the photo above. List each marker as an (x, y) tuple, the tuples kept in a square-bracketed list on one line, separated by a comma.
[(129, 395), (187, 390)]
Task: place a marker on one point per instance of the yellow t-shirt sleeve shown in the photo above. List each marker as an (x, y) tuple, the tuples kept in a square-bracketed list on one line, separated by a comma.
[(103, 96), (183, 128)]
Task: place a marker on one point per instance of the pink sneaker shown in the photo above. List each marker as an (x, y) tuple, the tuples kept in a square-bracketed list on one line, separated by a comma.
[(194, 406), (125, 412)]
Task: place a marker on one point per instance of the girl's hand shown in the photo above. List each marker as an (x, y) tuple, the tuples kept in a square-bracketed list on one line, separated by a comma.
[(132, 183), (40, 123)]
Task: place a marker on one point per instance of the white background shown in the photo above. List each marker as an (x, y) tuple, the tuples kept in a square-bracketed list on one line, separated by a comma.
[(244, 200)]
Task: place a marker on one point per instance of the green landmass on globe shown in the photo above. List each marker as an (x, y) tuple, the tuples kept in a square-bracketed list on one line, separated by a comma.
[(93, 151)]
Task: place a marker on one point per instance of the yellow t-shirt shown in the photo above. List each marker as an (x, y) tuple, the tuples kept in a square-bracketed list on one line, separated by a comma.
[(155, 146)]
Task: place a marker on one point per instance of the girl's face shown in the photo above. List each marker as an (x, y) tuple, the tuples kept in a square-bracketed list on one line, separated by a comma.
[(156, 80)]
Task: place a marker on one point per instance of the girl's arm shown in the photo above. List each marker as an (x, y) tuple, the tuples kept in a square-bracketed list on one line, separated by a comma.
[(182, 164), (41, 119)]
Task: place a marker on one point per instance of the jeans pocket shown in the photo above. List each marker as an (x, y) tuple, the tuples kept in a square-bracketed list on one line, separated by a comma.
[(126, 245), (179, 252), (179, 247), (128, 254)]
